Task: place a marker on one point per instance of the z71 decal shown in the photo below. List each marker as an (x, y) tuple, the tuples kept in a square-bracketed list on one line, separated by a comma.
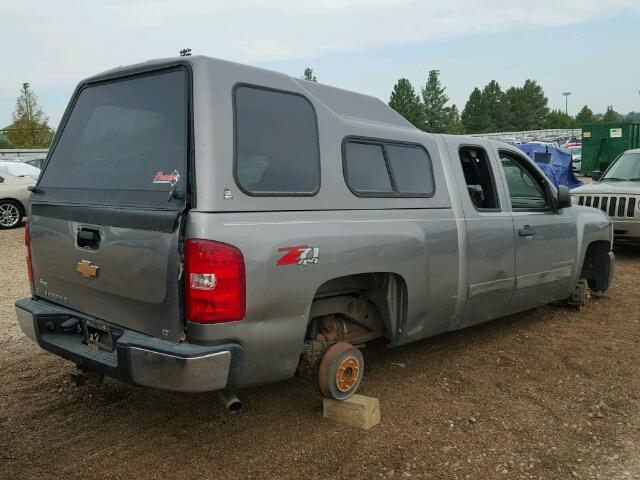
[(300, 255)]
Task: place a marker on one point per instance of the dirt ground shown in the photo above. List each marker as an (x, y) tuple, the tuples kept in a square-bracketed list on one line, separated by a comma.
[(548, 394)]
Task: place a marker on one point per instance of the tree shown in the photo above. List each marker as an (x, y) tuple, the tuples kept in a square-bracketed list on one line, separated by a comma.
[(585, 115), (559, 119), (4, 142), (493, 97), (534, 96), (527, 107), (454, 123), (30, 127), (633, 116), (406, 102), (475, 116), (308, 75), (435, 101), (611, 115)]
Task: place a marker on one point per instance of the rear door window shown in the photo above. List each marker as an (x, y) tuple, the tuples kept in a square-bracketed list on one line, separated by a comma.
[(478, 177), (276, 143), (125, 136)]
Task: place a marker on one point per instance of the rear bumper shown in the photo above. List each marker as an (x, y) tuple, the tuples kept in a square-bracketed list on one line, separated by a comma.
[(133, 357)]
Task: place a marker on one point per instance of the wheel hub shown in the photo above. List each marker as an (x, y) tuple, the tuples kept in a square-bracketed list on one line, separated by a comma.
[(347, 373)]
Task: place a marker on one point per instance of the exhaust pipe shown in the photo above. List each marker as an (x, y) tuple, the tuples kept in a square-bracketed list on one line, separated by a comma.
[(230, 401)]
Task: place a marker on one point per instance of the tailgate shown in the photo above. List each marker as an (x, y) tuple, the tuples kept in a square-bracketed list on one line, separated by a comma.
[(126, 276)]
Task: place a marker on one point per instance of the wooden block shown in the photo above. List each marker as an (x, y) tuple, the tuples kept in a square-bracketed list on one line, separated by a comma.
[(358, 411)]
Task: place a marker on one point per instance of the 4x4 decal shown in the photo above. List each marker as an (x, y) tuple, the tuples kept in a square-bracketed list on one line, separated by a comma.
[(300, 255)]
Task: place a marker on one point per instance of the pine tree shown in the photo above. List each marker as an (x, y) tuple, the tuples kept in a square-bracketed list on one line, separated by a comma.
[(559, 119), (516, 106), (475, 116), (30, 126), (308, 75), (611, 115), (533, 96), (454, 123), (633, 116), (527, 107), (406, 102), (493, 97), (585, 115), (435, 101)]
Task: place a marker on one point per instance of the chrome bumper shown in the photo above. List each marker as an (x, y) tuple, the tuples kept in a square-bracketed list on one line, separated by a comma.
[(135, 358)]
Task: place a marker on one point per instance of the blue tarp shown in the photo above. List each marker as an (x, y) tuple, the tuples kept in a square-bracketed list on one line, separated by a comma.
[(554, 162)]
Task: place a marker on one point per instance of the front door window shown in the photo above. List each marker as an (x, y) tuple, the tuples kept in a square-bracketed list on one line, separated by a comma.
[(525, 190)]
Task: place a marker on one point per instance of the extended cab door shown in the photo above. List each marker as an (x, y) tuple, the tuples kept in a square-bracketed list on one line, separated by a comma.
[(490, 256), (545, 238)]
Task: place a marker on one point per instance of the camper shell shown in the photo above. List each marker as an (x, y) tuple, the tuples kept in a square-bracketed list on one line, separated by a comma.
[(330, 219)]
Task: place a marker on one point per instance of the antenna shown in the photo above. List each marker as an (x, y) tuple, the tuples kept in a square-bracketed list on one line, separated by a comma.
[(185, 52)]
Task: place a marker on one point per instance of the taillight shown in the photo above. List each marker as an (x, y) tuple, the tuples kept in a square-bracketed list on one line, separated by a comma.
[(214, 283), (27, 244)]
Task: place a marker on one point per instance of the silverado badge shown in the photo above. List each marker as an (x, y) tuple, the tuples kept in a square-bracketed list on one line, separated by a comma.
[(86, 269)]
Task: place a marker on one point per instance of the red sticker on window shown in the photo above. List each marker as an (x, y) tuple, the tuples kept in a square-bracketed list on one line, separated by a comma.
[(170, 178)]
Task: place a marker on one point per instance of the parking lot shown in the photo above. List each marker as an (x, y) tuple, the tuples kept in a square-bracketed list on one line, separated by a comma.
[(550, 393)]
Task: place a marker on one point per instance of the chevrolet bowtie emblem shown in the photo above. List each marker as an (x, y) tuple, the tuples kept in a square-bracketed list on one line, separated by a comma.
[(86, 269)]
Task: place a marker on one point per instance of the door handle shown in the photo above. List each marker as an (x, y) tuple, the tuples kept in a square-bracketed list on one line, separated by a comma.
[(527, 231), (88, 238)]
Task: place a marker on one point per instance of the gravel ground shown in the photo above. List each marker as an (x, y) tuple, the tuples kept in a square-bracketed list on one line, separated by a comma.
[(548, 394)]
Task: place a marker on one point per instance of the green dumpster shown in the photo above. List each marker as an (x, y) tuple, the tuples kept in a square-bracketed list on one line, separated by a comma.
[(603, 142)]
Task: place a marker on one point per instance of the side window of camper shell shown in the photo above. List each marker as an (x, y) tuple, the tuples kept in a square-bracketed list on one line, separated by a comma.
[(384, 168), (276, 142)]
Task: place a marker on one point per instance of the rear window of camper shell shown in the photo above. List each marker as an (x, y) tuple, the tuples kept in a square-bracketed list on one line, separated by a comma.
[(125, 140)]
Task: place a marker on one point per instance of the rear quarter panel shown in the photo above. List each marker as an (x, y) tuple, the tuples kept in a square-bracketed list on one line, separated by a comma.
[(419, 245)]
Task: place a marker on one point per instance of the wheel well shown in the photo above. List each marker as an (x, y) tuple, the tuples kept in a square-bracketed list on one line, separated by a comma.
[(17, 202), (355, 309), (386, 291), (596, 266)]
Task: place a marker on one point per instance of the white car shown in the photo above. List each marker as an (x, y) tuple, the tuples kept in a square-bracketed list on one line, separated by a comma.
[(14, 192), (19, 169)]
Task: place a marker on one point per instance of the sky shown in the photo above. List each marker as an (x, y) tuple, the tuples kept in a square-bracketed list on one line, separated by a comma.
[(587, 47)]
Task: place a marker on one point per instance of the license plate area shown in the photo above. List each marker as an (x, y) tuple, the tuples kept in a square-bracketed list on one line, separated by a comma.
[(93, 333), (99, 336)]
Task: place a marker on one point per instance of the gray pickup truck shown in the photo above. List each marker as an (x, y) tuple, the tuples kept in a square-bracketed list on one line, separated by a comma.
[(203, 225)]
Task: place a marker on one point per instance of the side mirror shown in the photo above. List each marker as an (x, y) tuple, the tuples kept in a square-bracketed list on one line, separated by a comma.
[(564, 197), (596, 175)]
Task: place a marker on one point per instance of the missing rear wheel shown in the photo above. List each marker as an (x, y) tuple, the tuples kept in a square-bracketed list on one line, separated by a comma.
[(340, 371)]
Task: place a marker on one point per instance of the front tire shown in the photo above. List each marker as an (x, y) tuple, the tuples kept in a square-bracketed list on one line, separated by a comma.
[(11, 214), (340, 371)]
